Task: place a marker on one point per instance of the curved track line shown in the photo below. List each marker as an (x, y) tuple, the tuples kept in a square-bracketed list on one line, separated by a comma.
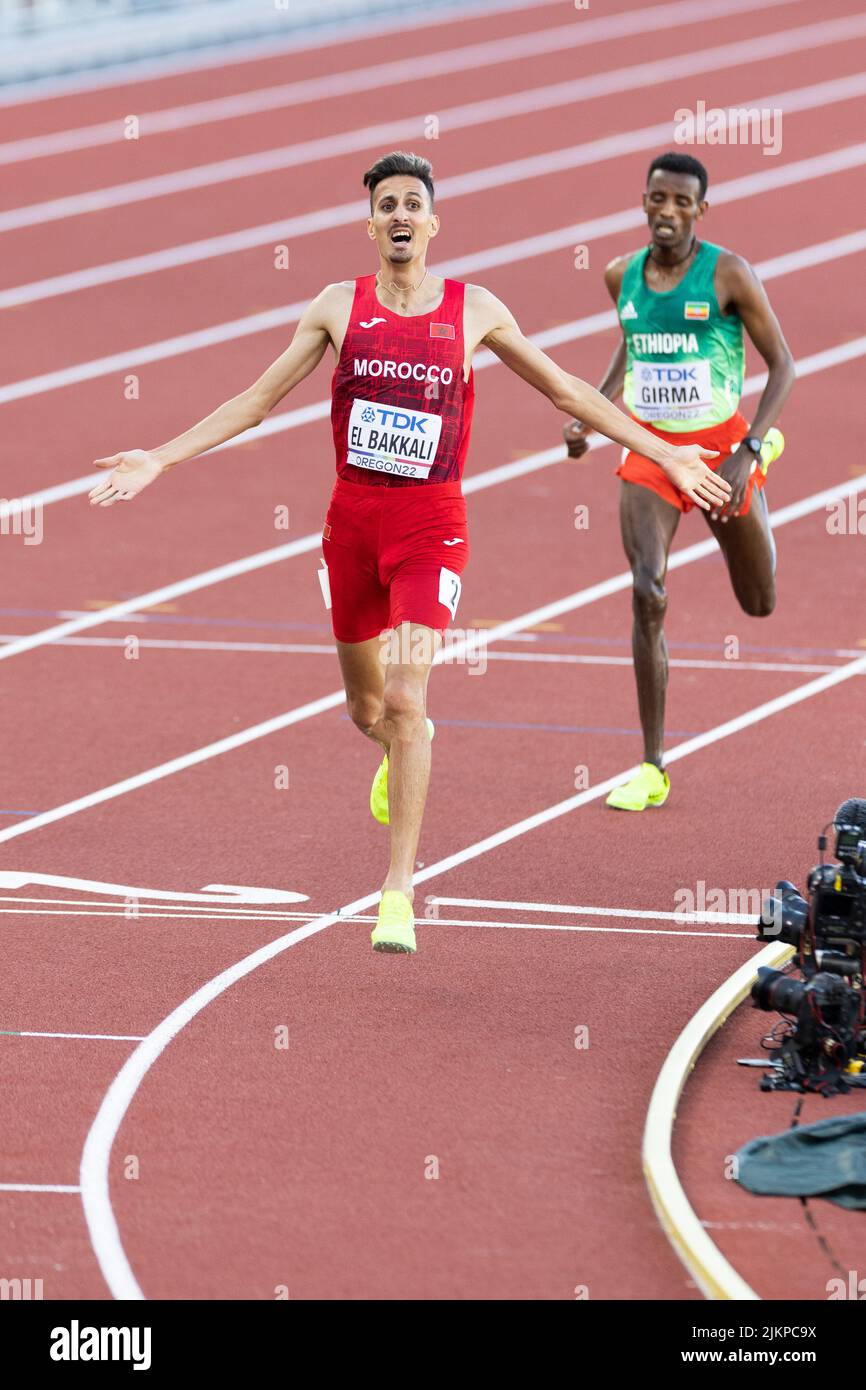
[(716, 1278), (96, 1155), (95, 1195)]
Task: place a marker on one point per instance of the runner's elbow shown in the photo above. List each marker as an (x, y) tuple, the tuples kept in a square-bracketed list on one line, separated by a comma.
[(254, 407), (564, 393)]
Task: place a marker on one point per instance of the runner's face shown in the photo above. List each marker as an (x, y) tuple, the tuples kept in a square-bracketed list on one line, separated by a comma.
[(402, 221), (672, 203)]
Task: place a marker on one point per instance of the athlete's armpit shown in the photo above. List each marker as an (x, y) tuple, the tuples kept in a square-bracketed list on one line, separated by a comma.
[(484, 316), (613, 275)]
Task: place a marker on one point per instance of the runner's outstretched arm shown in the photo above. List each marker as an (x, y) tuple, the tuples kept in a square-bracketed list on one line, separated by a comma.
[(683, 464), (134, 469)]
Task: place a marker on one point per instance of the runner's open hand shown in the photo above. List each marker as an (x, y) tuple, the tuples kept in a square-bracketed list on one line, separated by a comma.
[(736, 470), (575, 435), (686, 469), (131, 473)]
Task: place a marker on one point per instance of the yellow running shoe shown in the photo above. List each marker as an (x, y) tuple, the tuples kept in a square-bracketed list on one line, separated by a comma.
[(649, 788), (395, 929), (379, 789)]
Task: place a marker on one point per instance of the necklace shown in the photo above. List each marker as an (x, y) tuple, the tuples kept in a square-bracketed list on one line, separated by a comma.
[(669, 265), (402, 289)]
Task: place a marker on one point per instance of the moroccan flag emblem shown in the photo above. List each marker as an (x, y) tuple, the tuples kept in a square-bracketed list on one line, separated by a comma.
[(442, 330)]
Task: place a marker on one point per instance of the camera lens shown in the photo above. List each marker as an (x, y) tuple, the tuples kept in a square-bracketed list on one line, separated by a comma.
[(775, 992)]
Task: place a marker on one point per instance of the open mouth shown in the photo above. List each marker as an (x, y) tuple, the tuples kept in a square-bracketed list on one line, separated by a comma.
[(664, 230), (401, 237)]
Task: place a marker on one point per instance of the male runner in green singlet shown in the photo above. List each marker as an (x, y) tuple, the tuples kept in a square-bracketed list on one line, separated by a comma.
[(682, 305)]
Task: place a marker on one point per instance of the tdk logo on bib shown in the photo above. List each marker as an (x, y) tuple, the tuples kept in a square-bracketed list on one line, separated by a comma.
[(672, 390), (392, 439), (394, 419), (673, 375)]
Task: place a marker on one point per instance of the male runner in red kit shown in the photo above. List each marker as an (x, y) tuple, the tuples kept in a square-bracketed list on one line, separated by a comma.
[(395, 539)]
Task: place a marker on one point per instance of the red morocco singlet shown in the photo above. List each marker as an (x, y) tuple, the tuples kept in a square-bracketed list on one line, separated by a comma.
[(401, 411)]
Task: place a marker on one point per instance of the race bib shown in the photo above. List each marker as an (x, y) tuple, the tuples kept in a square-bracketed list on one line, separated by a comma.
[(392, 439), (325, 584), (672, 390), (450, 586)]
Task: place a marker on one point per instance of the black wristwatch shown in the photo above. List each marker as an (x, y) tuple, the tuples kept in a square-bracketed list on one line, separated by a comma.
[(753, 442)]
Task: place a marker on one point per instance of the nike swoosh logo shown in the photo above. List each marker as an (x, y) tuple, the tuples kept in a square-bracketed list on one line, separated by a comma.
[(458, 540), (370, 322)]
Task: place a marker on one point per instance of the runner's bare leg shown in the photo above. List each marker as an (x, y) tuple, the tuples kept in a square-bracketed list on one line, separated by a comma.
[(401, 729), (364, 679), (750, 554), (648, 524)]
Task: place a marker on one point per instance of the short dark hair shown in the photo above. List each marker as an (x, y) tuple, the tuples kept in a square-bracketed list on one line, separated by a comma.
[(414, 166), (673, 163)]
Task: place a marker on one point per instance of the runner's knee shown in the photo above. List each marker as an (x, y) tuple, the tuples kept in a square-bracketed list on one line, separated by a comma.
[(759, 602), (649, 597), (365, 710), (404, 705)]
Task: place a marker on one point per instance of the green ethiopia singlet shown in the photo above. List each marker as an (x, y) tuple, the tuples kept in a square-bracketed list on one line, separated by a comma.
[(684, 364)]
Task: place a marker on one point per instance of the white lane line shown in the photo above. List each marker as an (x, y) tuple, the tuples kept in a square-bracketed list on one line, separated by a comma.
[(323, 649), (733, 918), (97, 1037), (355, 920), (470, 115), (476, 181), (192, 645), (492, 477), (685, 663), (95, 1158), (203, 580), (179, 345), (376, 77), (164, 914), (568, 927), (168, 909), (681, 750), (230, 894), (35, 1187), (818, 254), (68, 908), (179, 764)]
